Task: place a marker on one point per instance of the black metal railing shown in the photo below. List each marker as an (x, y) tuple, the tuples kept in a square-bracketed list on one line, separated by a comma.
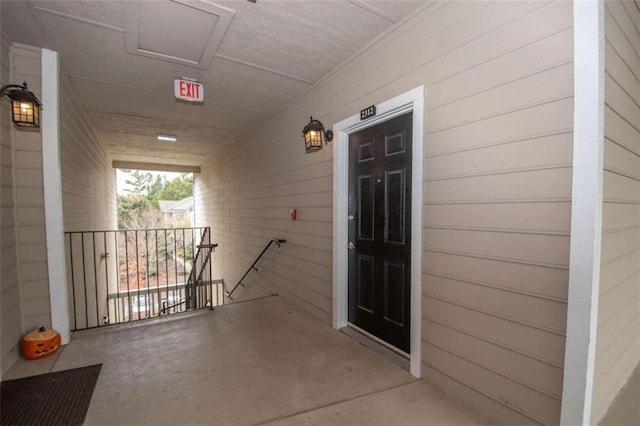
[(273, 240), (195, 293), (126, 275)]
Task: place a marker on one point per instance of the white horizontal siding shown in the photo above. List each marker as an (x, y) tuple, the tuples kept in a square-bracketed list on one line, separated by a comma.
[(32, 264), (618, 334), (497, 191), (88, 180), (10, 309)]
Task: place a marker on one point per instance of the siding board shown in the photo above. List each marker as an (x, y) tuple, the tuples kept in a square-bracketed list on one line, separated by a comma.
[(541, 120), (30, 235), (539, 375), (534, 342), (521, 308), (618, 341), (529, 186), (620, 161), (528, 154), (496, 385), (88, 179), (521, 278), (548, 218), (498, 155)]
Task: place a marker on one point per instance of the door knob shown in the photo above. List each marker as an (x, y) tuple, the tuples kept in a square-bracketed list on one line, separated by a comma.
[(351, 246), (350, 217)]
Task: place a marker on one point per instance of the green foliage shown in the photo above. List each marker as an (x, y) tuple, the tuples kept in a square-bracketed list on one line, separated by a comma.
[(140, 209), (136, 212), (144, 183), (176, 189)]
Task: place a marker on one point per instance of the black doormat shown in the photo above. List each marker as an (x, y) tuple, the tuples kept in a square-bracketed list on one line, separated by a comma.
[(60, 398)]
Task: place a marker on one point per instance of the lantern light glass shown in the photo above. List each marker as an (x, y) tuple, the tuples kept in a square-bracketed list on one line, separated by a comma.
[(314, 134), (25, 106)]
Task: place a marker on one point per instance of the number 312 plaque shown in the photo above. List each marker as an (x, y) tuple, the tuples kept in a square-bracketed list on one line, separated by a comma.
[(368, 112)]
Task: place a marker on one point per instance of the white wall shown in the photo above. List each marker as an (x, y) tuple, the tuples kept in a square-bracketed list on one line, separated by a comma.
[(10, 308), (89, 204), (88, 186), (88, 179), (497, 195), (32, 251), (618, 334)]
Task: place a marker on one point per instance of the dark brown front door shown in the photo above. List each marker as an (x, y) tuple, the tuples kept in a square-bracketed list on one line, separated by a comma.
[(380, 230)]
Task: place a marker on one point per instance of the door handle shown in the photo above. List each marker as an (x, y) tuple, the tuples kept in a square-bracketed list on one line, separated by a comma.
[(351, 246)]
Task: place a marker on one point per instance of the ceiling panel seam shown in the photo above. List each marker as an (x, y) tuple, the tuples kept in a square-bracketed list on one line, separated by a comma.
[(359, 54), (157, 120), (268, 59), (79, 19), (128, 86), (260, 67), (373, 10)]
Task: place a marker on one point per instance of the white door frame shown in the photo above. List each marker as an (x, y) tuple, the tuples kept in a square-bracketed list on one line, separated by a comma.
[(411, 101)]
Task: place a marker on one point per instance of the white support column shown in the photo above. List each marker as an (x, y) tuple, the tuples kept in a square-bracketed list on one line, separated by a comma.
[(53, 195), (586, 212)]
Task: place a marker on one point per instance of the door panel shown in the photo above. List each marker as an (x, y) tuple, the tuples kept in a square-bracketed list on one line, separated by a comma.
[(366, 200), (395, 187), (394, 292), (380, 205), (365, 283)]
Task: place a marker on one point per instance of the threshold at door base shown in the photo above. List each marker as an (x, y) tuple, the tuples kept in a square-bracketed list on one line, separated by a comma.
[(393, 354)]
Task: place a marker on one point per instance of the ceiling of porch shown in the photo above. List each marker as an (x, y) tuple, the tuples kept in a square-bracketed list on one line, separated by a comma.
[(253, 59)]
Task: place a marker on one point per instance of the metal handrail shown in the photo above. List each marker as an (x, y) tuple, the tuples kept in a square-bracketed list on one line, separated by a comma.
[(192, 279), (195, 277), (276, 240), (119, 276)]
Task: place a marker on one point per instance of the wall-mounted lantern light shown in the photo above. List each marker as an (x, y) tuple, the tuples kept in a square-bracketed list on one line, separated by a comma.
[(25, 106), (314, 133)]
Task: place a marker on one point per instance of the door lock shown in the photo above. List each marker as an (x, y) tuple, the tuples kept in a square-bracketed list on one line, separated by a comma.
[(351, 246)]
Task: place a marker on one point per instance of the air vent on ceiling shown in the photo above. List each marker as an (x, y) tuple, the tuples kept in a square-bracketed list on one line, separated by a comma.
[(188, 32)]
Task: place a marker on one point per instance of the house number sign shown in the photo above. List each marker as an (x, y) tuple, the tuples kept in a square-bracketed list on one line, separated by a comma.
[(368, 112)]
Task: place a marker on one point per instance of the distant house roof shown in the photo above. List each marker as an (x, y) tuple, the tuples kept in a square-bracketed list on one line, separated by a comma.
[(186, 204), (166, 205), (171, 206)]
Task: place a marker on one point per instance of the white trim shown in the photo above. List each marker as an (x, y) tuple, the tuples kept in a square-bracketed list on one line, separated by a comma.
[(412, 100), (586, 212), (52, 171)]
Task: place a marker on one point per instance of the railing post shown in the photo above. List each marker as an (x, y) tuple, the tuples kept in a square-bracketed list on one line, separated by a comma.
[(120, 298)]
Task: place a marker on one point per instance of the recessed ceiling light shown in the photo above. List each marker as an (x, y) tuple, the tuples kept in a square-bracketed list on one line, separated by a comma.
[(167, 138)]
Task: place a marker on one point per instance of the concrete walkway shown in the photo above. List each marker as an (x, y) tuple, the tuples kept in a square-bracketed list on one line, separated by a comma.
[(625, 410), (258, 362)]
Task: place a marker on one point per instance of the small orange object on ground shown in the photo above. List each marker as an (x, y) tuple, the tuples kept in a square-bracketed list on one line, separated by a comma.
[(40, 343)]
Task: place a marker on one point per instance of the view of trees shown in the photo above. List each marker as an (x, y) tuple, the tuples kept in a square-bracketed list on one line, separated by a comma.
[(139, 208), (150, 257)]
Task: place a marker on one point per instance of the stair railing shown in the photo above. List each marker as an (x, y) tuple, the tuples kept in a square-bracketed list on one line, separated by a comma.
[(274, 240), (205, 248)]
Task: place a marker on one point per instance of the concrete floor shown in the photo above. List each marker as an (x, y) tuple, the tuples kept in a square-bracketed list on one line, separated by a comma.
[(258, 362), (625, 410)]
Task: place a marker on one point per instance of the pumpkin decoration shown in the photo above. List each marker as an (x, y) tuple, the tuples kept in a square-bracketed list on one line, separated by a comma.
[(40, 343)]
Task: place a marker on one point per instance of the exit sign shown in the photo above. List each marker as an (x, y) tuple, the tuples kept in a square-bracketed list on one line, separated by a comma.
[(188, 90)]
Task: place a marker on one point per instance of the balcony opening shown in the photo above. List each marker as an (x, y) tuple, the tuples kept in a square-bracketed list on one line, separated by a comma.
[(154, 199)]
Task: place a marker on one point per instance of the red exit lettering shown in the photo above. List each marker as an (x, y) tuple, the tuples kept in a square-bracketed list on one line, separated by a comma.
[(189, 90)]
